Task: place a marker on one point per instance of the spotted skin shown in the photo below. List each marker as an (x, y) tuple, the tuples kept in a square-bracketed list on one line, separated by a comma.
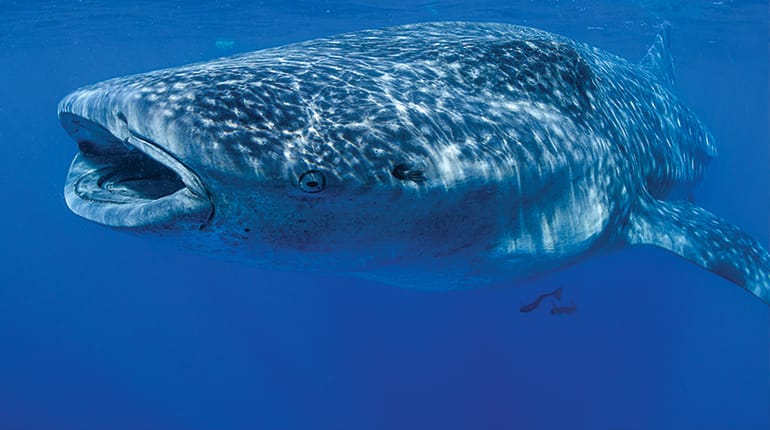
[(532, 151), (704, 239)]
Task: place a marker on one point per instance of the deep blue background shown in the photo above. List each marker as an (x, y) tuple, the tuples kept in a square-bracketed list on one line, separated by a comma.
[(99, 330)]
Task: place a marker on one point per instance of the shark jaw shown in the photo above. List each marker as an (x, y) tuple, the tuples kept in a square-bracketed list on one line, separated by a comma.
[(130, 182)]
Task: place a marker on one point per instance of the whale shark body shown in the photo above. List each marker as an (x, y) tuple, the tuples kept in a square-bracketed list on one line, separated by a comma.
[(436, 155)]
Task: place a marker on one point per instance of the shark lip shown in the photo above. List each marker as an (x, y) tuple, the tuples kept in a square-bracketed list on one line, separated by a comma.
[(130, 182)]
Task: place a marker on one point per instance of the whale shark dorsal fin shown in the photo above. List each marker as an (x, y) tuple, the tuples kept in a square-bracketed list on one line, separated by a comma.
[(658, 59), (703, 238)]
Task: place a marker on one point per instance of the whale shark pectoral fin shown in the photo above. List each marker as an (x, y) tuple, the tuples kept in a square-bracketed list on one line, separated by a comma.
[(658, 58), (705, 239)]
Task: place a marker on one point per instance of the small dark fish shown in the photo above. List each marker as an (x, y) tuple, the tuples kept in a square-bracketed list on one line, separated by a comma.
[(532, 306), (563, 310)]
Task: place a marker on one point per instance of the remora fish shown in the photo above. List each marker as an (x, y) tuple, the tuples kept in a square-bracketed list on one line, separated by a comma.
[(529, 307), (437, 155), (563, 310)]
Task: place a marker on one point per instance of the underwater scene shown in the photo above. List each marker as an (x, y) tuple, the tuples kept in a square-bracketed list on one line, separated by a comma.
[(385, 215)]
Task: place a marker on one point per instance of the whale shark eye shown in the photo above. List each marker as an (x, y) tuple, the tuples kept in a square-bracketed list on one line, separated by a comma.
[(312, 181)]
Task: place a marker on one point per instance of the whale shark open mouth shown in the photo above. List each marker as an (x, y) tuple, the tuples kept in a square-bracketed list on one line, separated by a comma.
[(130, 182)]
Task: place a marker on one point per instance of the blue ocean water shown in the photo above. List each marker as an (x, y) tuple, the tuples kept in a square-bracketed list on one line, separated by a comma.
[(102, 330)]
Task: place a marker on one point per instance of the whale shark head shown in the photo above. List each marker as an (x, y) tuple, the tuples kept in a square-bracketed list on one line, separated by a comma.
[(253, 153), (148, 162)]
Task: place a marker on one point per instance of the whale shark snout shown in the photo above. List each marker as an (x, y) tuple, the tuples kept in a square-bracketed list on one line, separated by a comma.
[(122, 179)]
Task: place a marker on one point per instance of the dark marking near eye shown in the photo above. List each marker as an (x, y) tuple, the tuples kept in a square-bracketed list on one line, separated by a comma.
[(407, 173), (246, 230), (312, 181)]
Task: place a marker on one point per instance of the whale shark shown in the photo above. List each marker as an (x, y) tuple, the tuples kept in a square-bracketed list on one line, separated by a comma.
[(434, 155)]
